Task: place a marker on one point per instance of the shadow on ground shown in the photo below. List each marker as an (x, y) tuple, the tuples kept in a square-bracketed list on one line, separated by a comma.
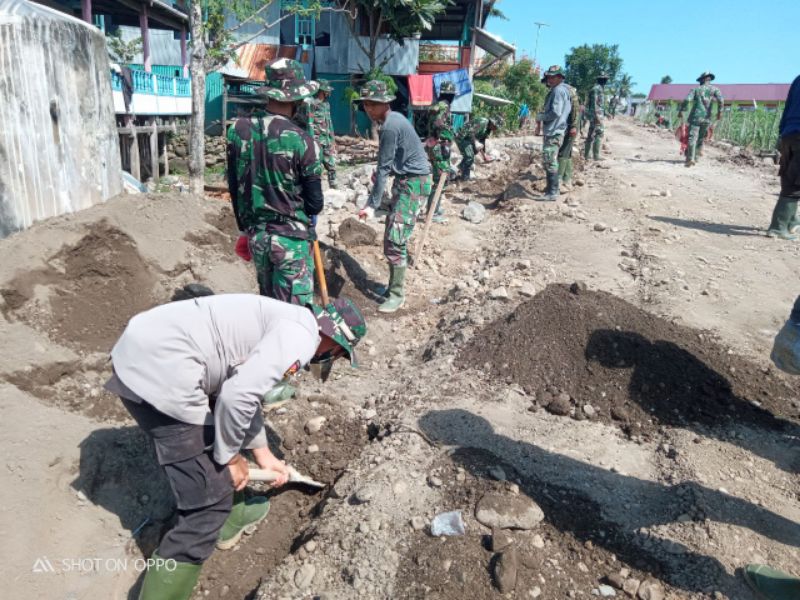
[(709, 227)]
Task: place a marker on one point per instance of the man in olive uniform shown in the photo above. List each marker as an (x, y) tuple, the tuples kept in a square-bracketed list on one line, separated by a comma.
[(701, 100), (402, 154), (314, 115), (565, 164), (473, 133), (274, 177), (554, 116), (440, 140), (595, 115)]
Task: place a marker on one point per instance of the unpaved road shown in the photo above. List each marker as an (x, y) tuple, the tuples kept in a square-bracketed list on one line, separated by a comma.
[(686, 505)]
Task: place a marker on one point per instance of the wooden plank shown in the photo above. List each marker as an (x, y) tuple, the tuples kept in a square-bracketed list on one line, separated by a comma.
[(154, 171), (136, 169)]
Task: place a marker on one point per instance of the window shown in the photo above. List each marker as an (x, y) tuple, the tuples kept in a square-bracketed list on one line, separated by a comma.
[(322, 35), (304, 30)]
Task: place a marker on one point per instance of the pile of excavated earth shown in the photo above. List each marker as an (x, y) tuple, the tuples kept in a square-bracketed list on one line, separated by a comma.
[(544, 419)]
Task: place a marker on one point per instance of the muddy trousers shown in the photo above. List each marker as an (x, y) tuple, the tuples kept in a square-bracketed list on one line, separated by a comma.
[(203, 490), (697, 136)]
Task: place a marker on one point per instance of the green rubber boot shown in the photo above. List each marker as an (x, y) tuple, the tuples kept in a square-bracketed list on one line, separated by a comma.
[(396, 297), (169, 580), (771, 584), (562, 168), (784, 219), (587, 148), (332, 180), (567, 176), (596, 146), (244, 514)]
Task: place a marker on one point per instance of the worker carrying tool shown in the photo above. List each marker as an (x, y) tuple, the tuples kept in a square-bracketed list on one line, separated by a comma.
[(400, 153), (275, 182), (193, 374)]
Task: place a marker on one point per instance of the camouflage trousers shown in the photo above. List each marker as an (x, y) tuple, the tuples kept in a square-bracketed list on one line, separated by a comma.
[(329, 157), (698, 131), (594, 139), (440, 161), (552, 144), (467, 149), (284, 267), (408, 197)]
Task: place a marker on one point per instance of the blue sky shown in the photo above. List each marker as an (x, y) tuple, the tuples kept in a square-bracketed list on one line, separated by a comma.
[(741, 41)]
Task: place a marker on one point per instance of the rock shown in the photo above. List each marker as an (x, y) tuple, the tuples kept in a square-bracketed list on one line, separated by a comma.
[(363, 495), (501, 540), (474, 212), (616, 580), (312, 449), (527, 290), (606, 591), (600, 226), (314, 424), (500, 293), (434, 481), (589, 410), (497, 473), (618, 413), (505, 571), (364, 527), (353, 232), (578, 287), (560, 405), (304, 576), (630, 587), (361, 200), (650, 589), (310, 546), (335, 198), (535, 592), (502, 511), (417, 523), (537, 542)]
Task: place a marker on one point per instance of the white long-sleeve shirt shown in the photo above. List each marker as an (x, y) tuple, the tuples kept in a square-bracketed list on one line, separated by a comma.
[(235, 347)]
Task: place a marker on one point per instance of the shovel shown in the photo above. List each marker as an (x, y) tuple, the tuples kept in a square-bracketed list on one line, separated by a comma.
[(294, 477)]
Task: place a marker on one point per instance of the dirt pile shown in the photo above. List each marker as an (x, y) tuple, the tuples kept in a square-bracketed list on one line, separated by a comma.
[(88, 291), (354, 233), (592, 355)]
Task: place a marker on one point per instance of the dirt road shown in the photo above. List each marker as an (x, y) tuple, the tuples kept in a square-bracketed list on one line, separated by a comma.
[(672, 461)]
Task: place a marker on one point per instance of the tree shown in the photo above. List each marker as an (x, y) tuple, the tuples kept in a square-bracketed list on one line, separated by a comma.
[(624, 85), (397, 19), (519, 83), (585, 63), (122, 51), (666, 79)]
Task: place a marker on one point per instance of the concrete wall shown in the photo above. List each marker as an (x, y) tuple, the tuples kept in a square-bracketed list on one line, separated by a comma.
[(59, 150)]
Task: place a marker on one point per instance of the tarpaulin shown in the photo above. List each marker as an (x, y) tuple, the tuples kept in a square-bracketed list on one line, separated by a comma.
[(459, 77), (420, 89)]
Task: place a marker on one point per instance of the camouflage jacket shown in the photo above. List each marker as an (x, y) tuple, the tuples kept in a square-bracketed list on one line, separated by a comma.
[(270, 159), (314, 116), (575, 113), (476, 130), (701, 99), (595, 107), (440, 122)]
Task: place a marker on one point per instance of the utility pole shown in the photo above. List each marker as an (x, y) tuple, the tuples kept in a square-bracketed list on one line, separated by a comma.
[(536, 48)]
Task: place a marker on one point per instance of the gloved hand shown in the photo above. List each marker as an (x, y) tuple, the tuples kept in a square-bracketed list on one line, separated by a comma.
[(242, 248), (366, 213)]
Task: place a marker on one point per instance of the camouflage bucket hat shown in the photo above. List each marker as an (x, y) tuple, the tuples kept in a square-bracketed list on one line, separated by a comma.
[(553, 71), (343, 322), (376, 91), (325, 86), (705, 74), (447, 87), (285, 81)]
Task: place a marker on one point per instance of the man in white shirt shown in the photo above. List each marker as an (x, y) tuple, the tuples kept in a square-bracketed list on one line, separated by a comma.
[(193, 375)]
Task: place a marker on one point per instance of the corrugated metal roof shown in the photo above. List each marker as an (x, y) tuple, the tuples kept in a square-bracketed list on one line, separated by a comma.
[(252, 58), (731, 92)]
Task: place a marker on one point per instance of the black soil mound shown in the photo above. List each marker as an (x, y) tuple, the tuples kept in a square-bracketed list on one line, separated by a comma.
[(592, 355), (352, 232)]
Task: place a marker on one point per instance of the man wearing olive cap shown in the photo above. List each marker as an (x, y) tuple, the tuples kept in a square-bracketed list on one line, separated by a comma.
[(274, 178), (314, 115), (699, 102), (193, 374)]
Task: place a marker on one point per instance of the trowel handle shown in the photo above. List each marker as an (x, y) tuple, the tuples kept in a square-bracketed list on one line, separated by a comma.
[(263, 475)]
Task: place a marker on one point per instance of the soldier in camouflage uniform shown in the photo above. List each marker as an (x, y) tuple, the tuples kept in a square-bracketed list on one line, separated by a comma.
[(554, 117), (314, 115), (475, 132), (595, 113), (701, 99), (565, 164), (274, 177), (440, 140), (401, 153)]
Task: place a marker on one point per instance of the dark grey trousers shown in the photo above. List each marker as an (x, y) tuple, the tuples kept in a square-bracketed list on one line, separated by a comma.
[(203, 489)]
